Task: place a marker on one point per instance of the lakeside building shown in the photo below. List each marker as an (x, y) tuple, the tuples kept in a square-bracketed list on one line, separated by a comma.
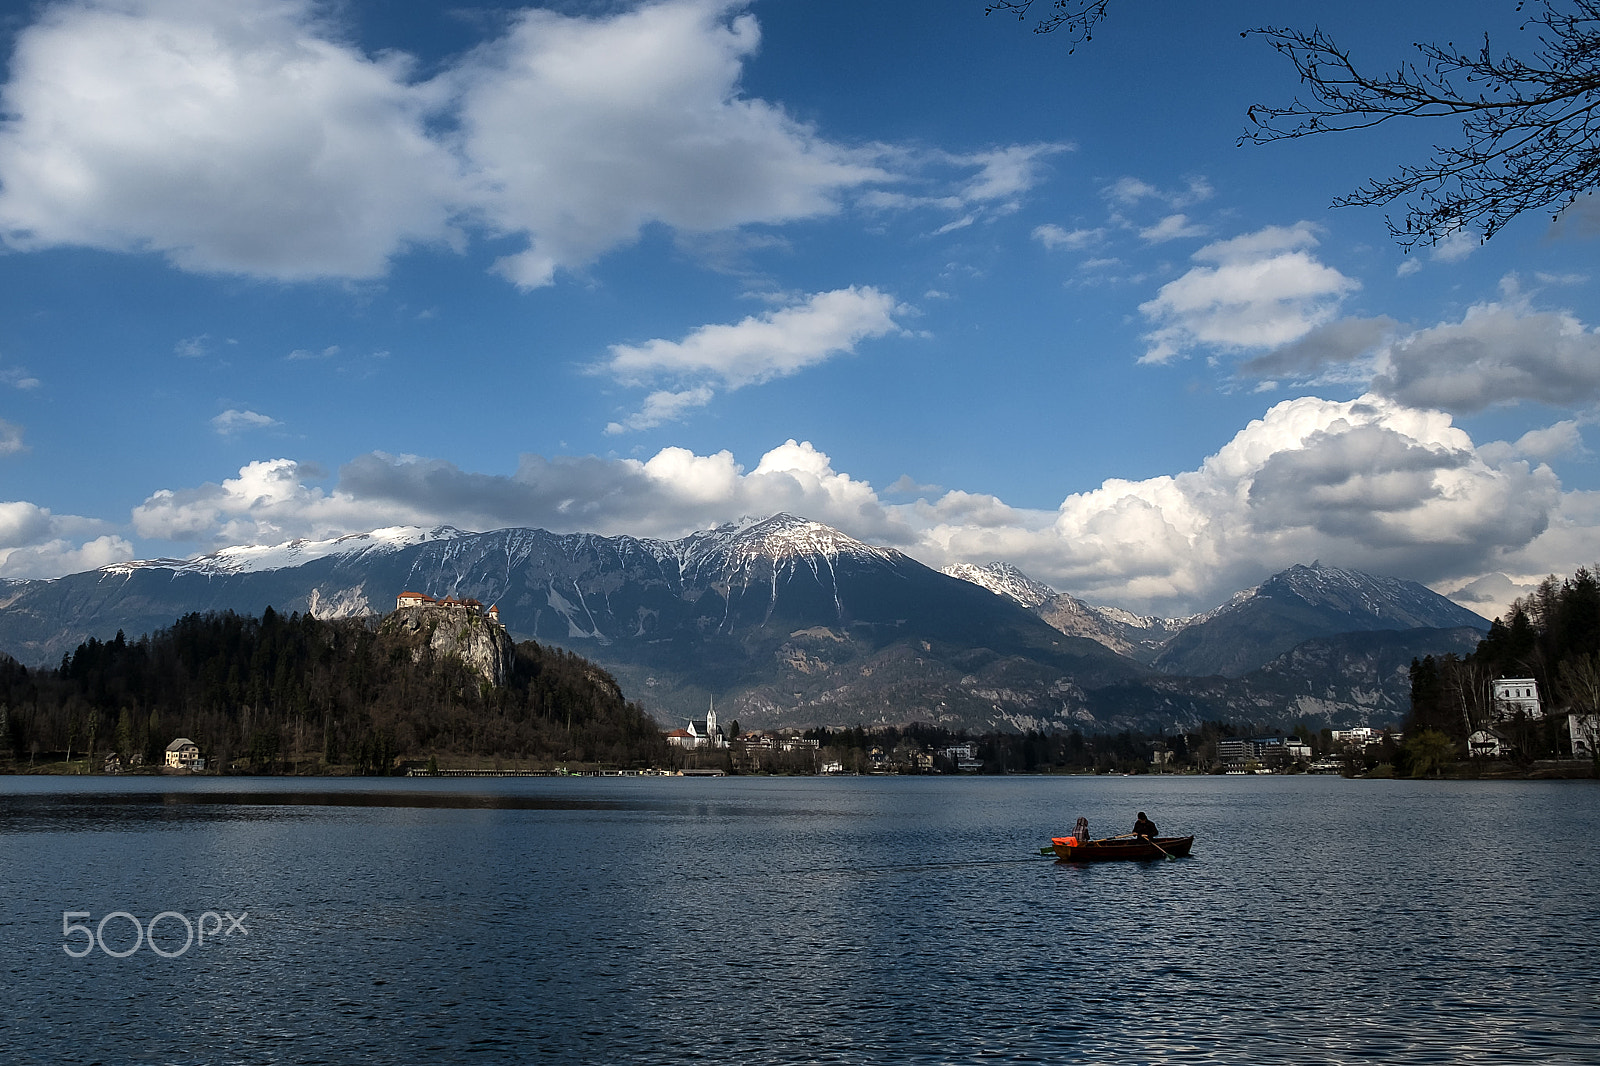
[(184, 754), (1513, 696), (783, 750), (1358, 737), (1271, 752), (419, 599), (701, 733), (763, 740), (964, 756), (1489, 743), (1584, 729)]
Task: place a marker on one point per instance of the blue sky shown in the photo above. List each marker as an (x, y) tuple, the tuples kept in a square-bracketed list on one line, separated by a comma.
[(278, 269)]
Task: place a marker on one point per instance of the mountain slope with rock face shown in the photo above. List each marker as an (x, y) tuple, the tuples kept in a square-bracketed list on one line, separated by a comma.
[(1303, 603), (787, 622), (1139, 637), (1003, 579), (1255, 626)]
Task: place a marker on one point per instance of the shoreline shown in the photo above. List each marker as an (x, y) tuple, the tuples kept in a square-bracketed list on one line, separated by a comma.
[(1540, 770)]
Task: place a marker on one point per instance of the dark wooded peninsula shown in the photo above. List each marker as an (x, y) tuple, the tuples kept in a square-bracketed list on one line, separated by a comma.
[(286, 694), (1550, 636)]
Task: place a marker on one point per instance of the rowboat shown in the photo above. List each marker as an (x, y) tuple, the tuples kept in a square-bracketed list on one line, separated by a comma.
[(1070, 849)]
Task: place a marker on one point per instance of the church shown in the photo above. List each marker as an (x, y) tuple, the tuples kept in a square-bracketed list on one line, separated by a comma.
[(702, 733)]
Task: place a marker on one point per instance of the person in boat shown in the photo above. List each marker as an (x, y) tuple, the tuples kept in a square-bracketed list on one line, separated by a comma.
[(1144, 827), (1081, 831)]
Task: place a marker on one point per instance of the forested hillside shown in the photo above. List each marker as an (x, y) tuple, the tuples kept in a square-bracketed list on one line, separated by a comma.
[(294, 693), (1551, 635)]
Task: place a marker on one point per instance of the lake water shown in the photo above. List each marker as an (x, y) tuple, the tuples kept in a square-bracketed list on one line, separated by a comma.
[(755, 920)]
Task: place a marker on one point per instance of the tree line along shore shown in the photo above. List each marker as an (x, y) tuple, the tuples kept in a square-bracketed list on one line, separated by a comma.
[(297, 694)]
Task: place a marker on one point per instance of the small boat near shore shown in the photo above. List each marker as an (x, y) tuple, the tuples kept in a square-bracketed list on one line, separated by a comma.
[(1122, 848)]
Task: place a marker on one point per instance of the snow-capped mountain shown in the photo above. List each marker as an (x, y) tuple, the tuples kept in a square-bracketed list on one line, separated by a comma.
[(789, 622), (1301, 603), (782, 618), (1251, 629), (1003, 579), (255, 559), (772, 550), (1137, 636)]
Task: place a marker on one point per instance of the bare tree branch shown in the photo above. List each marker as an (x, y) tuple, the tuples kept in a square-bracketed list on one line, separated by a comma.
[(1076, 18), (1530, 128)]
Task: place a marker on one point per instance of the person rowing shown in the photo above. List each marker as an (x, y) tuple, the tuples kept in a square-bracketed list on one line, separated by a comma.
[(1144, 827)]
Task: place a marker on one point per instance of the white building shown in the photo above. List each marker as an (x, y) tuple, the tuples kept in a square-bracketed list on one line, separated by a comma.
[(1236, 752), (183, 754), (701, 733), (1358, 737), (1489, 743), (1585, 732), (965, 756), (1511, 696)]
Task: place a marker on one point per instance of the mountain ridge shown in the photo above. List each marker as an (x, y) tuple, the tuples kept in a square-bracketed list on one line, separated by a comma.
[(783, 620), (1303, 603)]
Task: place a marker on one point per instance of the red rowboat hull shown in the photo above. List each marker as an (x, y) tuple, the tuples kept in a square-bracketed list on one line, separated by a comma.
[(1114, 849)]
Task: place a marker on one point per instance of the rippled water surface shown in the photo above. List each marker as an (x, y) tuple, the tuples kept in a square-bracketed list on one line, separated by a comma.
[(869, 920)]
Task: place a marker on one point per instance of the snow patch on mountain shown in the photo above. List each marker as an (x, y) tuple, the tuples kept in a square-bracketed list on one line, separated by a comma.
[(1003, 579), (779, 538), (1126, 633), (767, 552), (1151, 622), (255, 559)]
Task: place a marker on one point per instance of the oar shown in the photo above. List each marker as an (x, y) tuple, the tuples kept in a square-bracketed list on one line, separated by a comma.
[(1161, 849)]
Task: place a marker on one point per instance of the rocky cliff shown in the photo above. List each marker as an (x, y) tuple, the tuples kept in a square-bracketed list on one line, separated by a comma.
[(484, 646)]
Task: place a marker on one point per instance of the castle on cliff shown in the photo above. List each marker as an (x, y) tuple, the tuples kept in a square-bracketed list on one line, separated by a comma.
[(418, 599)]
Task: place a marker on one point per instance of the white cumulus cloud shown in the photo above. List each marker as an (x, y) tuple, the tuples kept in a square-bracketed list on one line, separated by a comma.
[(254, 137), (1542, 444), (1260, 290), (1366, 483), (756, 349), (34, 543), (1172, 228), (663, 406), (669, 495), (235, 137), (269, 502), (582, 130)]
